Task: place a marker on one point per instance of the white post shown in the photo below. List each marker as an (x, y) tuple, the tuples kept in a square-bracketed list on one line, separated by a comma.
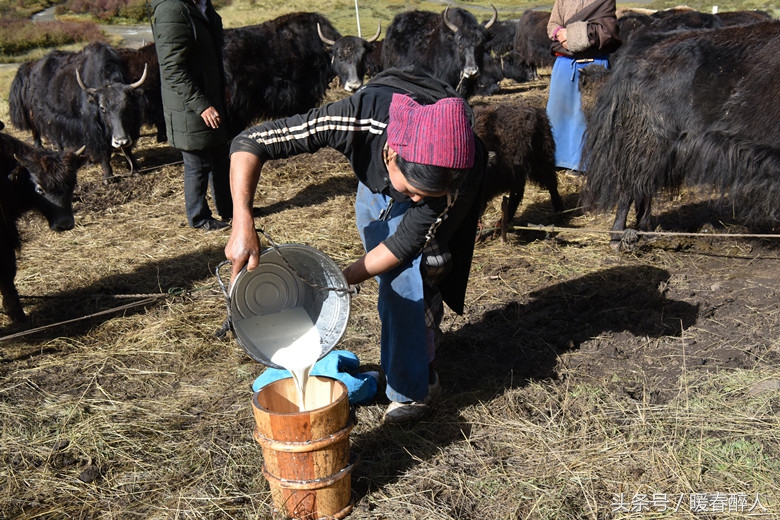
[(357, 17), (714, 9)]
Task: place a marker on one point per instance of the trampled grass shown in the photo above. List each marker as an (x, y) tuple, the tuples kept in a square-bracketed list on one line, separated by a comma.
[(579, 384)]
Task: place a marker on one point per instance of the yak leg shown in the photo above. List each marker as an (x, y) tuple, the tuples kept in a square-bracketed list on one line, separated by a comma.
[(545, 176), (621, 216), (11, 303), (479, 238), (162, 135), (108, 171), (503, 224), (555, 197), (509, 206), (557, 202), (37, 139), (643, 216)]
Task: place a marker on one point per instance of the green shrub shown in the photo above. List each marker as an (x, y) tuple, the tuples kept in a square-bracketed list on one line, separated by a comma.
[(19, 36), (13, 9), (113, 11), (135, 11)]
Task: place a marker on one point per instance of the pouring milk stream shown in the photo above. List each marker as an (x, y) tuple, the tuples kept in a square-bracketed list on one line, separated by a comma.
[(288, 338)]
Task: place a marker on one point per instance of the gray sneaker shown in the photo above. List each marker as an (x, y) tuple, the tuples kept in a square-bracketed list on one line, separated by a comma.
[(411, 411)]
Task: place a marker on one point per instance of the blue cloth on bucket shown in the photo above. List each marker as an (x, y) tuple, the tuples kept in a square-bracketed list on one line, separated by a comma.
[(338, 364)]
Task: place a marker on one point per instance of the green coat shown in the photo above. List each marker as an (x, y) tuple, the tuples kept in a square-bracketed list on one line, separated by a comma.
[(189, 49)]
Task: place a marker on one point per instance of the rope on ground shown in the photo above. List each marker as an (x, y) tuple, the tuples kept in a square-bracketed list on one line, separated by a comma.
[(139, 303), (557, 229), (143, 171), (145, 300)]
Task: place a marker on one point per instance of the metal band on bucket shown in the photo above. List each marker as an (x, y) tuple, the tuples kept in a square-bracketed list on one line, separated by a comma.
[(303, 446), (317, 483)]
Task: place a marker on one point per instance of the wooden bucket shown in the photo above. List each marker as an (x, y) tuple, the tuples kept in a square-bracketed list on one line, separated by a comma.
[(306, 456)]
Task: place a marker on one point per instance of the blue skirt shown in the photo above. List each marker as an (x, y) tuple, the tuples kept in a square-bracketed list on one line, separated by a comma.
[(564, 109)]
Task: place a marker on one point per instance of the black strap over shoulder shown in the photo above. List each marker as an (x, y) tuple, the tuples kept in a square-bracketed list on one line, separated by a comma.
[(421, 86)]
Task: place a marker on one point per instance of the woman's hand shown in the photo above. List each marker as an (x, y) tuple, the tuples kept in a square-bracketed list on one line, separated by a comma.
[(561, 37), (243, 247), (377, 261)]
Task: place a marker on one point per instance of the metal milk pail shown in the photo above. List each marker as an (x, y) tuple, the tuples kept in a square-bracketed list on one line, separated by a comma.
[(290, 276)]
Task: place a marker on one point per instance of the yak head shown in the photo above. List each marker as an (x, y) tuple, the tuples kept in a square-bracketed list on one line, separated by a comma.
[(349, 57), (46, 181), (469, 38), (118, 109)]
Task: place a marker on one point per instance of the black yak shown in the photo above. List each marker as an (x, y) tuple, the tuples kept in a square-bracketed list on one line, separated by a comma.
[(352, 57), (519, 139), (502, 60), (134, 62), (448, 45), (31, 179), (635, 25), (277, 68), (79, 98), (689, 108), (532, 44)]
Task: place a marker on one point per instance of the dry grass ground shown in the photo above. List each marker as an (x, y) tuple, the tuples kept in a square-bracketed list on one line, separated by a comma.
[(580, 383)]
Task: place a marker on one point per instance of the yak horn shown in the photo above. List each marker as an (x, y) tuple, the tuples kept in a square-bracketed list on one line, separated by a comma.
[(81, 83), (140, 81), (80, 150), (322, 37), (449, 24), (378, 32), (490, 22)]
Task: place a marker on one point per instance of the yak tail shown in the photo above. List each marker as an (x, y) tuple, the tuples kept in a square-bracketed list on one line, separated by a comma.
[(542, 171), (19, 111), (740, 169)]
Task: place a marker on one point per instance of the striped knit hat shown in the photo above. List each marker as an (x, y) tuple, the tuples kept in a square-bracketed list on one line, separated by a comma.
[(438, 134)]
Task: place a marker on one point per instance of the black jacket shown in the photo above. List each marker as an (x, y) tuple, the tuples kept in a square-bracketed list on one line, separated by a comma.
[(356, 126), (189, 49)]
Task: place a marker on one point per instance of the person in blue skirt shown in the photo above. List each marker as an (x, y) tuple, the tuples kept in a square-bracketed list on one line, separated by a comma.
[(583, 32)]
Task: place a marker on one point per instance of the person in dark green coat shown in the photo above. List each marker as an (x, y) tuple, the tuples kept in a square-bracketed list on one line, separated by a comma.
[(188, 41)]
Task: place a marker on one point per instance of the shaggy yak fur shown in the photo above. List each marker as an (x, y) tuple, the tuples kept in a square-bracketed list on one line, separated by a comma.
[(531, 41), (635, 24), (521, 146), (277, 68), (696, 108)]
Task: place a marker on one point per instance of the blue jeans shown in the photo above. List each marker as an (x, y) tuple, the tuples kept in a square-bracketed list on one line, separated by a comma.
[(201, 169), (404, 343)]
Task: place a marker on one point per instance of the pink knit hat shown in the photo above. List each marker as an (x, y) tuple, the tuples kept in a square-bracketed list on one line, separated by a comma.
[(438, 134)]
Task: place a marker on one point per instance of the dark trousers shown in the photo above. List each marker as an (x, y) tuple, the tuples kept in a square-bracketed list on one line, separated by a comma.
[(201, 169)]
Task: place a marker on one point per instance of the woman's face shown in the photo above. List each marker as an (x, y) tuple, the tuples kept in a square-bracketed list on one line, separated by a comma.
[(399, 182)]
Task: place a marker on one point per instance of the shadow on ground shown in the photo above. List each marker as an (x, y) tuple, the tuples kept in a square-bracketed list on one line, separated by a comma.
[(172, 276), (520, 342)]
